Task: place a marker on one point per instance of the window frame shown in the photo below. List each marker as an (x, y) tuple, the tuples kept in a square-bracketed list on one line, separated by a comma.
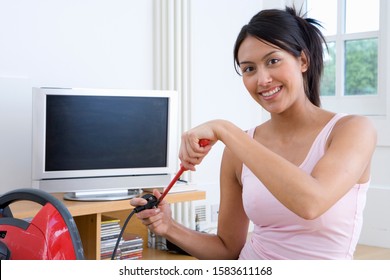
[(370, 105)]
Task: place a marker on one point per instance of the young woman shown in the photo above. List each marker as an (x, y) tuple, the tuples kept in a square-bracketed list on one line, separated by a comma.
[(300, 177)]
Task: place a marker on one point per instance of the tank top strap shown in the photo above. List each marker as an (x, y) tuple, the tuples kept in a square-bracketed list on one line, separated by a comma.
[(329, 126), (318, 147), (251, 131)]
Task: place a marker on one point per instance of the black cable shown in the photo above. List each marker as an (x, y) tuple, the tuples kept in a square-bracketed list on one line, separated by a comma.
[(152, 202), (121, 234)]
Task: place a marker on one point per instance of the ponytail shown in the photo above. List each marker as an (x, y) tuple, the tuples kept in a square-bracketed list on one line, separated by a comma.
[(314, 41)]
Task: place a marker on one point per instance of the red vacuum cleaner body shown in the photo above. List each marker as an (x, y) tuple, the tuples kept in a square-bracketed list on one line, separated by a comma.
[(50, 235)]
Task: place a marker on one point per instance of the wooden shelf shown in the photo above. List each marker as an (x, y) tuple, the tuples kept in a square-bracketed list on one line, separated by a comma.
[(88, 217)]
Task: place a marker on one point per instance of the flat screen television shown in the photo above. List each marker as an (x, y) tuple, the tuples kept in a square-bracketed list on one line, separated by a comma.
[(103, 144)]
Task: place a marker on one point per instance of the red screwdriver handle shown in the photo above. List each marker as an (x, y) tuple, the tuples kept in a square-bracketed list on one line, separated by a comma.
[(202, 143)]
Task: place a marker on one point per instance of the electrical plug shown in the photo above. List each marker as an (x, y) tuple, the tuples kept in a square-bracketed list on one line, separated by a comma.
[(152, 202)]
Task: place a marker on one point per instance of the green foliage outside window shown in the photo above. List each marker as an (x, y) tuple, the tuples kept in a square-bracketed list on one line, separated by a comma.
[(361, 68), (361, 61)]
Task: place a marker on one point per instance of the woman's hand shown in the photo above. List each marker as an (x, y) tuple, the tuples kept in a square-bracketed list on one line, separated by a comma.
[(159, 219), (196, 143)]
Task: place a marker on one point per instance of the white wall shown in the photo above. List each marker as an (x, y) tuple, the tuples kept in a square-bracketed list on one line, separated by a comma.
[(89, 43), (15, 133)]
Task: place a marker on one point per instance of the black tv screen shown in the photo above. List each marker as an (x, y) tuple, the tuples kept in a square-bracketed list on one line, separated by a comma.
[(105, 132)]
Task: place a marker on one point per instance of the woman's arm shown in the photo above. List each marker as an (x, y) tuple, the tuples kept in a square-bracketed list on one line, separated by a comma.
[(345, 163)]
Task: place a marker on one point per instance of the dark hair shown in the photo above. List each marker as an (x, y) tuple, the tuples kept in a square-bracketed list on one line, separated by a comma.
[(289, 31)]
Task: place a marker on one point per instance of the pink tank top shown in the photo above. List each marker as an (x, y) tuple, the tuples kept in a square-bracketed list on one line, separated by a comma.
[(281, 234)]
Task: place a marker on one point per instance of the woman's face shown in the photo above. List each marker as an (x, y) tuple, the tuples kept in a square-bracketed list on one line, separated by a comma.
[(271, 75)]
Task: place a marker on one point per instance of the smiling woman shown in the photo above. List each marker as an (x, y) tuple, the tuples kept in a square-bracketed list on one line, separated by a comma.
[(300, 177)]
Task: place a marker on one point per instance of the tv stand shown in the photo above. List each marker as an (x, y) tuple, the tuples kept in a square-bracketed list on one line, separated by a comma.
[(102, 195), (88, 218)]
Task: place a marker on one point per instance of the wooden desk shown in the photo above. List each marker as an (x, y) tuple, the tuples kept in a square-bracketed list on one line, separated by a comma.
[(88, 217)]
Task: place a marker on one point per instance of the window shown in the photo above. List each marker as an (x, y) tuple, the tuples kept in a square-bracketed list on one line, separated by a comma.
[(354, 75)]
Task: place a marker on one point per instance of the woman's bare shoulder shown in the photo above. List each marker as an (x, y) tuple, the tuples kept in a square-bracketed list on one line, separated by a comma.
[(356, 122), (355, 128)]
